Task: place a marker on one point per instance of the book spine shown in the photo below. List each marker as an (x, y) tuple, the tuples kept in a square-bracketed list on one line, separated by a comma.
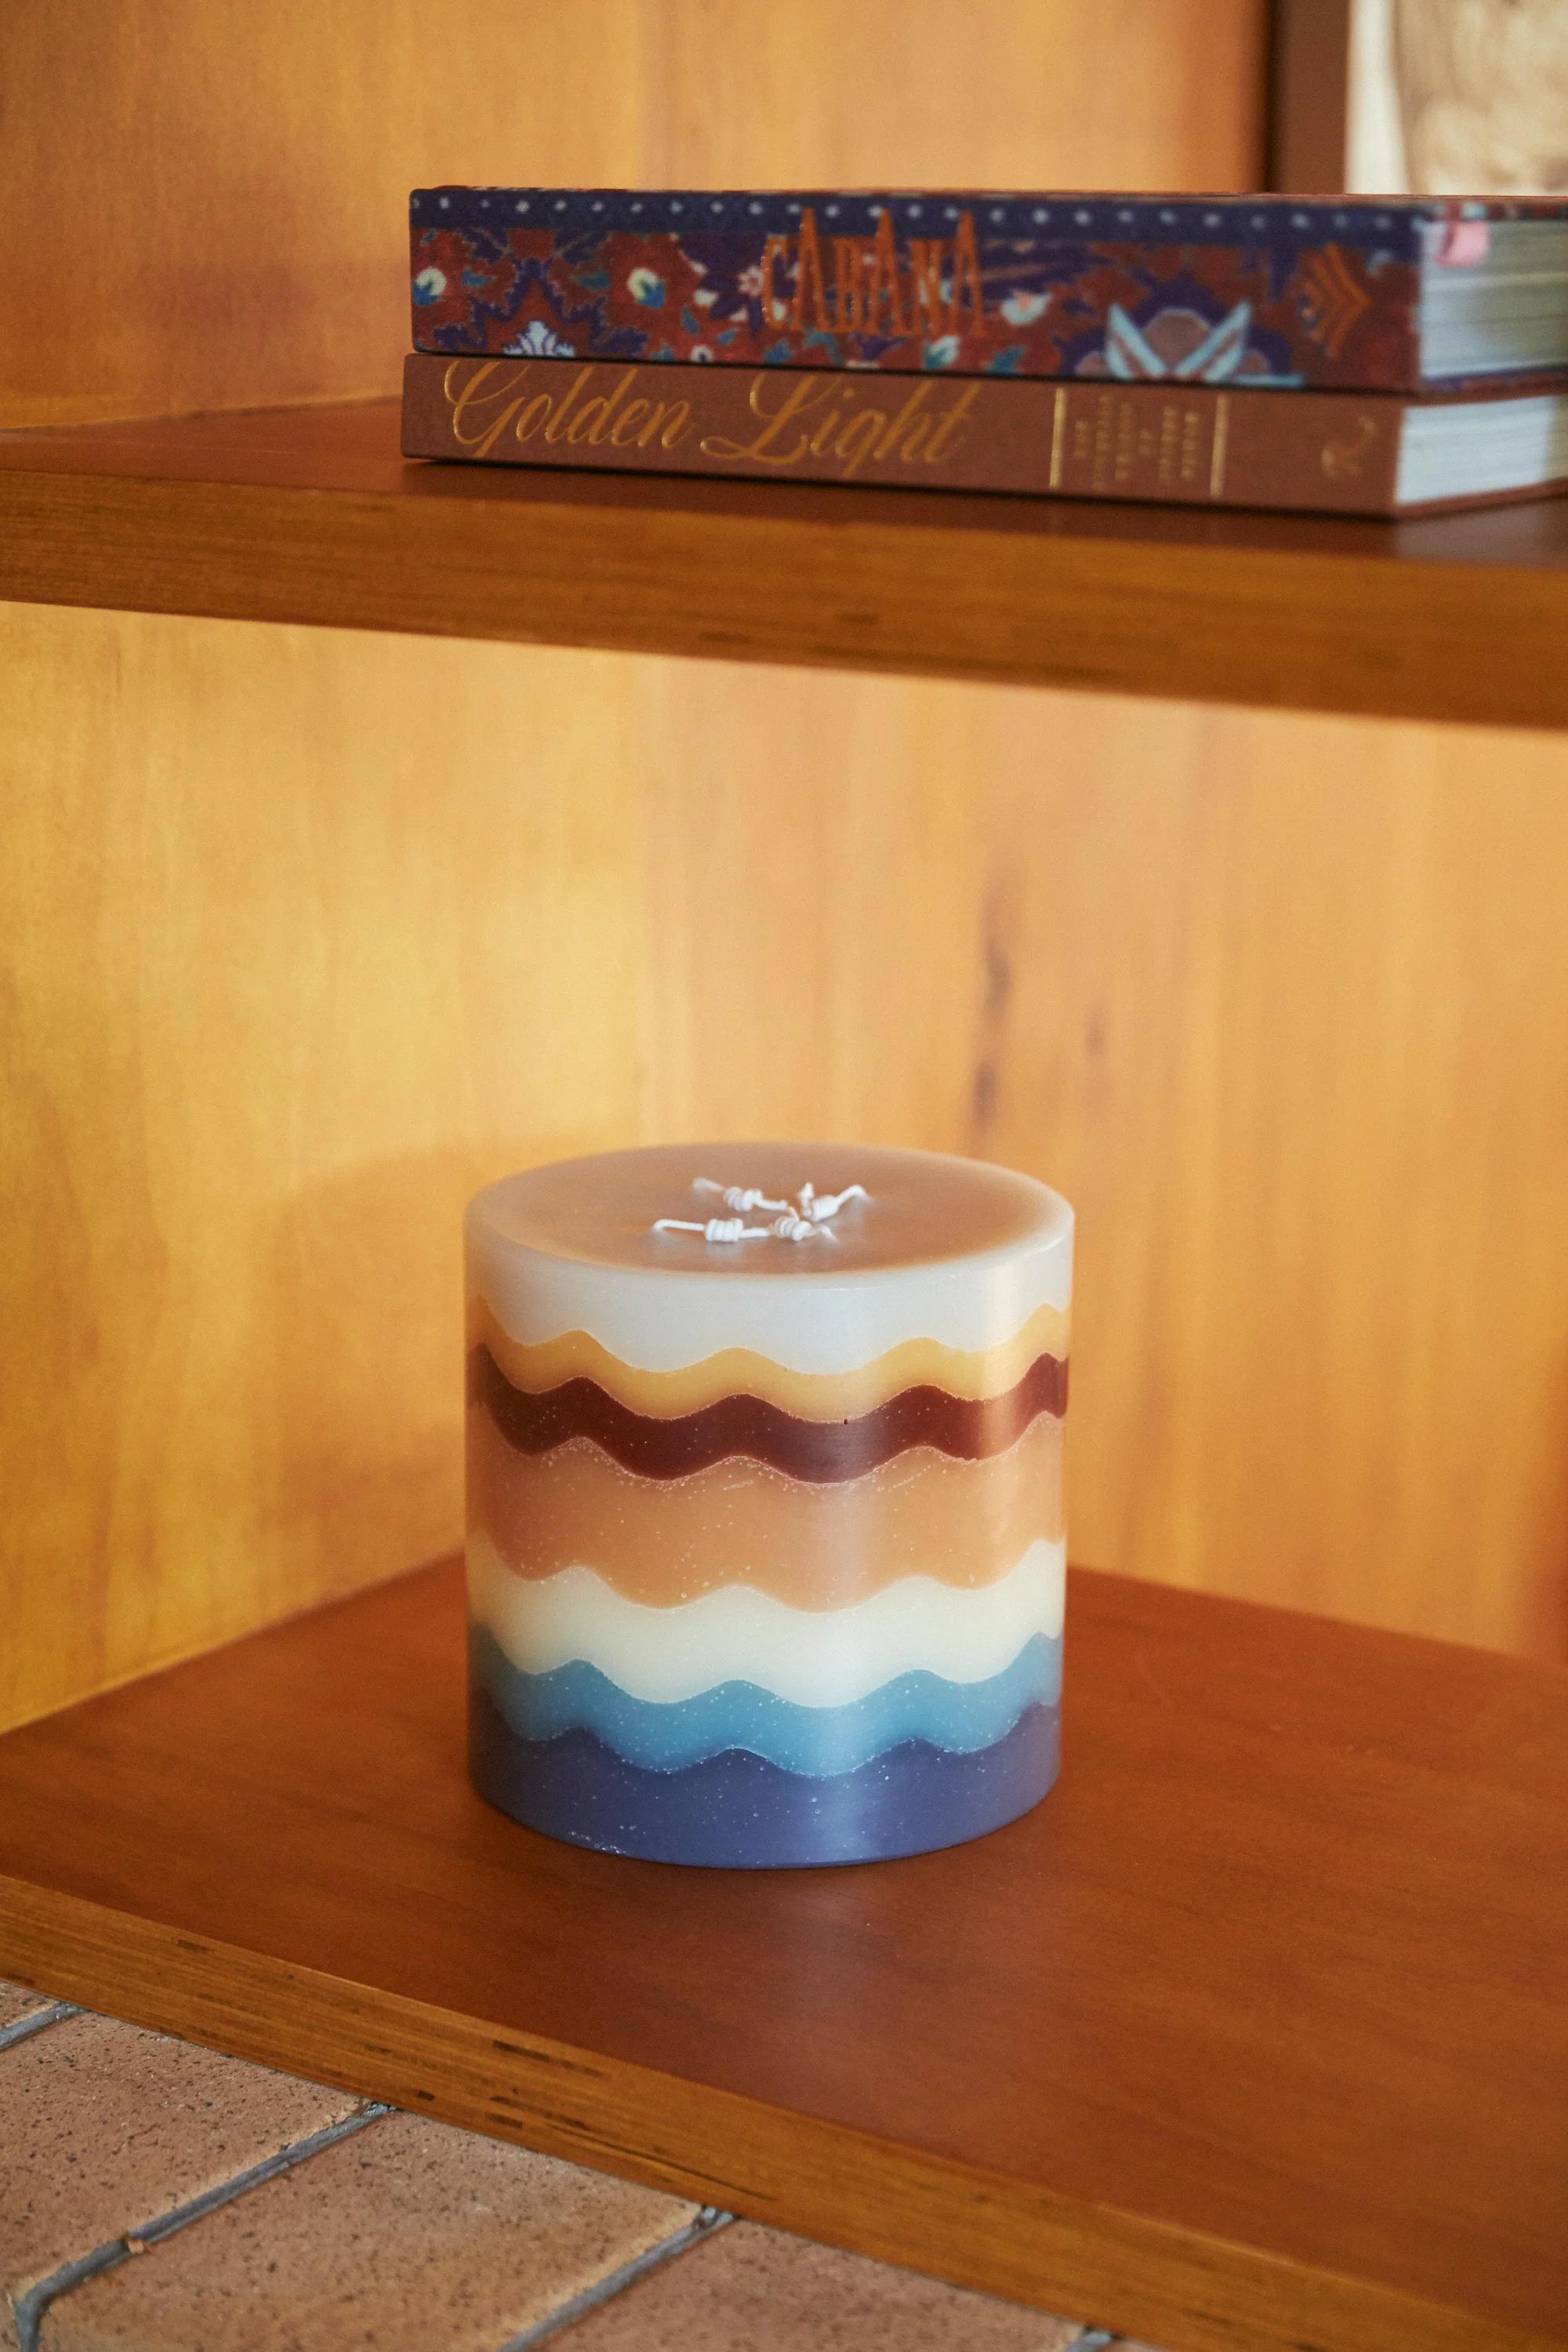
[(963, 298), (1172, 444)]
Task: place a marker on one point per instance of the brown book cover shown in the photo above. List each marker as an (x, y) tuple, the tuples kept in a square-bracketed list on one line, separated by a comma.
[(1167, 442)]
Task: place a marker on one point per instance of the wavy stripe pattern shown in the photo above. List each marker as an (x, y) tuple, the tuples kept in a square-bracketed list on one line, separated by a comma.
[(664, 1540), (819, 1740), (813, 1657), (738, 1812), (744, 1372), (970, 1428)]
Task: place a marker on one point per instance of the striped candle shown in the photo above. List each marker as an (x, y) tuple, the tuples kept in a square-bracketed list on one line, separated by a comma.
[(765, 1552)]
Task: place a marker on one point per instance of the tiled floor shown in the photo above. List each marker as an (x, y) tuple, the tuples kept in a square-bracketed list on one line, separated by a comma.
[(157, 2198)]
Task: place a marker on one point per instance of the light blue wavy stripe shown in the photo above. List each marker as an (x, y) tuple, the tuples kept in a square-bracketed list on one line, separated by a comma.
[(818, 1740)]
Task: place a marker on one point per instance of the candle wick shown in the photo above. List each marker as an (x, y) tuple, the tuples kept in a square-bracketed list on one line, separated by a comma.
[(808, 1218), (715, 1229)]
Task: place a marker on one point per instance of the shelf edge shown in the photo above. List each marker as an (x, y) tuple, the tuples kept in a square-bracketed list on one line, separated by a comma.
[(821, 2180), (1344, 634)]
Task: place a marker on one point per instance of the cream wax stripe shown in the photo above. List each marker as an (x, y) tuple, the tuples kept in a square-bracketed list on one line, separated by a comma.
[(738, 1633), (809, 1321), (741, 1371)]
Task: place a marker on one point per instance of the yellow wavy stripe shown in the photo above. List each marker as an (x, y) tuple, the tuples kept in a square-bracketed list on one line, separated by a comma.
[(814, 1396)]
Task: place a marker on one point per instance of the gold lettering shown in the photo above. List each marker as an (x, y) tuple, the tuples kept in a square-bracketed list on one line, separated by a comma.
[(656, 417), (465, 398), (599, 410), (884, 282), (903, 421), (858, 440), (775, 249), (849, 308), (822, 438), (803, 394), (482, 369), (675, 431), (552, 431), (809, 272), (534, 415), (630, 415), (914, 437), (925, 282), (966, 279), (936, 447)]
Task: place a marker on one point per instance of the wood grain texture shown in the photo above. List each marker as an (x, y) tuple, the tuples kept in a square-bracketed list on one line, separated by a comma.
[(225, 225), (302, 940), (1279, 1001), (313, 516), (307, 934), (1278, 1004), (297, 951), (1248, 2036)]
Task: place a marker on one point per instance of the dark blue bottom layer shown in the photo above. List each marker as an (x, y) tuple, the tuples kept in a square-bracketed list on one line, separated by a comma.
[(737, 1812)]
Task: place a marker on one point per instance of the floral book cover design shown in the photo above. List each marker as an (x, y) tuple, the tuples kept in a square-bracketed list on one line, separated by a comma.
[(1254, 292)]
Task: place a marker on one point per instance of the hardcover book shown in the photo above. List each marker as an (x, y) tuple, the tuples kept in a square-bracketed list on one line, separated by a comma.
[(1394, 294), (1178, 444)]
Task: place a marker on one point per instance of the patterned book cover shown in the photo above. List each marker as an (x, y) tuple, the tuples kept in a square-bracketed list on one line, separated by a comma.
[(1255, 291)]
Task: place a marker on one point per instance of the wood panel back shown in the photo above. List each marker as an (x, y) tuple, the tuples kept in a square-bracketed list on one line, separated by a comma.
[(307, 934), (303, 938), (213, 201), (1281, 1003)]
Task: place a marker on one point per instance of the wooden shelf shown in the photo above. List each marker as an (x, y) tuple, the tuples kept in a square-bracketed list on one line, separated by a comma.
[(311, 515), (1252, 2034)]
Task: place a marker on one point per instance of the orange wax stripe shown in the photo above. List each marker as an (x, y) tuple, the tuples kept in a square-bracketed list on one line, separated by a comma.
[(667, 1540)]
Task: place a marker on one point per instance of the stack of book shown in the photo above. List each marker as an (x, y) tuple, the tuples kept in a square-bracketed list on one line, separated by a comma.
[(1360, 355)]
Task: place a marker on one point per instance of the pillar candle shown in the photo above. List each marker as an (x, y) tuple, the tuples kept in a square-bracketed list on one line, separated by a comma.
[(765, 1550)]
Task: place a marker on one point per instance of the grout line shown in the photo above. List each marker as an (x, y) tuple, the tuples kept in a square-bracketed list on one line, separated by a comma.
[(26, 2027), (701, 2226), (31, 2307)]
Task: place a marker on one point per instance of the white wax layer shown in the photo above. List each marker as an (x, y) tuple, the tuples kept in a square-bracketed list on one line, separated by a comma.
[(810, 1310), (738, 1633)]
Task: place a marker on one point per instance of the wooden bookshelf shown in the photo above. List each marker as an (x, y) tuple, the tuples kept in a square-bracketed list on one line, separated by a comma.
[(1251, 2035), (1248, 2038), (310, 514)]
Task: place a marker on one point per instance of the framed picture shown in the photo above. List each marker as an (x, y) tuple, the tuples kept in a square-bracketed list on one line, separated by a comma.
[(1450, 97)]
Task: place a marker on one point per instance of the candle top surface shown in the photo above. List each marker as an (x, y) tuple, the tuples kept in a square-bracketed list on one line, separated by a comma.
[(920, 1209)]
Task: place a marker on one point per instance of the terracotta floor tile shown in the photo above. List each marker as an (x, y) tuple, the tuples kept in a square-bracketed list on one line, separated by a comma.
[(750, 2289), (17, 2002), (409, 2237), (104, 2126)]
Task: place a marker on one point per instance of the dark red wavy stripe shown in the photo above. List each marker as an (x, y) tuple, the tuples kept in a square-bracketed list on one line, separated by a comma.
[(969, 1428)]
